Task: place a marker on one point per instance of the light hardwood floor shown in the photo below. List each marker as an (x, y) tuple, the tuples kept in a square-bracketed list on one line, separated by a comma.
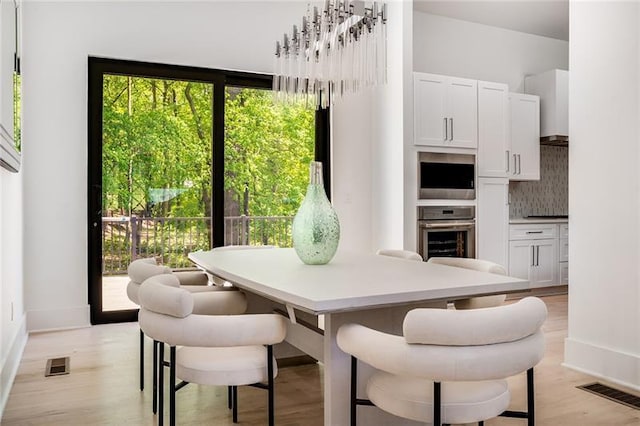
[(102, 388)]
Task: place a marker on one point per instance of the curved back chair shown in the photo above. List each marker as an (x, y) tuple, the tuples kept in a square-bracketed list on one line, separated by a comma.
[(193, 281), (402, 254), (478, 265), (215, 349), (450, 366), (141, 269)]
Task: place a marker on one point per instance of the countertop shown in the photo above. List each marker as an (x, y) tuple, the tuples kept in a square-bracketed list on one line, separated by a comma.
[(524, 220)]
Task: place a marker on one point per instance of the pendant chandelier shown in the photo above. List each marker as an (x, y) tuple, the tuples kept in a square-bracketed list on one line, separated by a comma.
[(341, 50)]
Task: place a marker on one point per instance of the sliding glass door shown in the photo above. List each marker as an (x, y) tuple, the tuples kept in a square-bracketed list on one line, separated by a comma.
[(156, 176), (268, 147), (184, 159)]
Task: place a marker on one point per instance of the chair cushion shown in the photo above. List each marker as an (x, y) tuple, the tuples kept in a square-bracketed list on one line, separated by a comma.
[(141, 269), (486, 326), (467, 263), (462, 402), (231, 366), (219, 302), (192, 278), (156, 296), (133, 288)]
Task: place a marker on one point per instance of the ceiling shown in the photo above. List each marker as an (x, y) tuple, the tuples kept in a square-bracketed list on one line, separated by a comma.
[(549, 18)]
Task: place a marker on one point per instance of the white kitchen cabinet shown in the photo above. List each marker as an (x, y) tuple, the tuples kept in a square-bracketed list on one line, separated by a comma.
[(533, 253), (445, 111), (493, 220), (564, 250), (534, 260), (525, 137), (563, 254), (494, 143), (564, 273)]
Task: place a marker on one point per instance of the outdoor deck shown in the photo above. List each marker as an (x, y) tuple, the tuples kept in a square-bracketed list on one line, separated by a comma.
[(114, 293), (170, 240)]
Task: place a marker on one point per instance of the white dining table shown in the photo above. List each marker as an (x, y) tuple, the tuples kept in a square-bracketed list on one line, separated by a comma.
[(370, 289)]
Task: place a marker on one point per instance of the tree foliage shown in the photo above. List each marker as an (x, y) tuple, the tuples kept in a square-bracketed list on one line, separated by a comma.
[(157, 138), (267, 152)]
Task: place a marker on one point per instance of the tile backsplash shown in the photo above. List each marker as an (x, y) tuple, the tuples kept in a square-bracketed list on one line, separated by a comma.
[(549, 195)]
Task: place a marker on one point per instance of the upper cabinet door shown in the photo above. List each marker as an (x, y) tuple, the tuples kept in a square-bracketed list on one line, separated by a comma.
[(429, 100), (525, 137), (494, 144), (445, 111), (462, 112)]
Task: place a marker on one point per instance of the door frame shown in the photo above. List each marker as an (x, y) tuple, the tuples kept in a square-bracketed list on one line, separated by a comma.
[(97, 67)]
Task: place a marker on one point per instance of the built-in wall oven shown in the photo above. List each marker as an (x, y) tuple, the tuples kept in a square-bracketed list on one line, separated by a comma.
[(446, 176), (446, 231)]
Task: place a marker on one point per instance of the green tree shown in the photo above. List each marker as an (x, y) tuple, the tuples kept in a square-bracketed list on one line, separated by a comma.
[(157, 158)]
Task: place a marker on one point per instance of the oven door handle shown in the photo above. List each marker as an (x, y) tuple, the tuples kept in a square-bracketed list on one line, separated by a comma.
[(446, 225)]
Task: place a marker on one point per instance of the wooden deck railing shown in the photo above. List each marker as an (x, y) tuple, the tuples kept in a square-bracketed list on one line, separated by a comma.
[(171, 239)]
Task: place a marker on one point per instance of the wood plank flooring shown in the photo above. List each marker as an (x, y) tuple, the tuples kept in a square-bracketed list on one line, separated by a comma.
[(102, 388)]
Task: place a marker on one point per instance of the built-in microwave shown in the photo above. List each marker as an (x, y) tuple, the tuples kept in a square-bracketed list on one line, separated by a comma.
[(446, 176)]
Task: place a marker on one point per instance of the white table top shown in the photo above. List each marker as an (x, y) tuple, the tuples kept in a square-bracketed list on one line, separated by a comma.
[(351, 281)]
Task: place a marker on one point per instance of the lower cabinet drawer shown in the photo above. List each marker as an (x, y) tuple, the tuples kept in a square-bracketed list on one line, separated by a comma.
[(533, 231)]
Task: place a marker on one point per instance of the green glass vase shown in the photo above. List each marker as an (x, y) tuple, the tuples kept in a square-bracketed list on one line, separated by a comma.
[(316, 229)]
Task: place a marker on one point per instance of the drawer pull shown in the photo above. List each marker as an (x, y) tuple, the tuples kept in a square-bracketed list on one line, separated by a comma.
[(535, 232)]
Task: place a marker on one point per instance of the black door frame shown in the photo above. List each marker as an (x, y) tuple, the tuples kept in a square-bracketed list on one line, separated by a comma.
[(97, 67)]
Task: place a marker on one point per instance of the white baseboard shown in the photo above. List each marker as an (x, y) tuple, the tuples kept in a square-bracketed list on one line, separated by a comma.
[(605, 363), (58, 319), (10, 364)]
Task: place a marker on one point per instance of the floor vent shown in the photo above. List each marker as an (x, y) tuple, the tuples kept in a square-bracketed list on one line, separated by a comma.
[(616, 395), (57, 367)]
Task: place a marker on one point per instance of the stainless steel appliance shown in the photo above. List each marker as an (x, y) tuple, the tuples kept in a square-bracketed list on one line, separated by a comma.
[(447, 231), (446, 176)]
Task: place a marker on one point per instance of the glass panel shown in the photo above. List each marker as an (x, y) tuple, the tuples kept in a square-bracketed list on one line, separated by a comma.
[(446, 175), (156, 176), (447, 244), (268, 147)]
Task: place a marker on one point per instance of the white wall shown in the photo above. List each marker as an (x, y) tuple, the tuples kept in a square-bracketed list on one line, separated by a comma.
[(388, 138), (58, 38), (369, 139), (351, 133), (12, 317), (12, 313), (604, 296), (465, 49)]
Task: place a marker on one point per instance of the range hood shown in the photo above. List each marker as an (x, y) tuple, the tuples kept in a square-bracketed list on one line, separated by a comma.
[(553, 88)]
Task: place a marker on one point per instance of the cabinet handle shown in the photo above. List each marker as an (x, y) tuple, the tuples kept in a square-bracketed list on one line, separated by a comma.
[(446, 130), (533, 255), (507, 151), (519, 164), (534, 232), (515, 163), (451, 123), (537, 255)]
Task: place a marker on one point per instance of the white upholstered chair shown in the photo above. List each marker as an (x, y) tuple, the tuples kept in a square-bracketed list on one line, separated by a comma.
[(402, 254), (215, 349), (477, 265), (193, 281), (450, 366)]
